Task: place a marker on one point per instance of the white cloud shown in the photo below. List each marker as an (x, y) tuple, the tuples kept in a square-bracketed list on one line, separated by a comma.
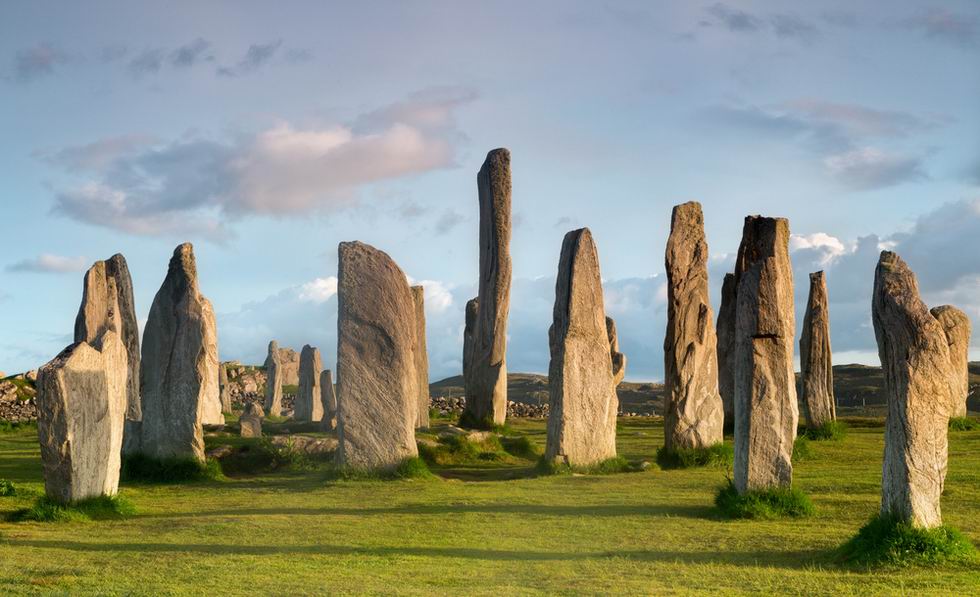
[(871, 168), (47, 263), (831, 247), (319, 290)]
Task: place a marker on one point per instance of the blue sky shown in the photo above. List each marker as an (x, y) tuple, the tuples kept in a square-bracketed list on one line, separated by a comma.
[(267, 134)]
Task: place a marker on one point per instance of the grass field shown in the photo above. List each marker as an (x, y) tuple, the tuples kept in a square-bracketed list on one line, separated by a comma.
[(487, 526)]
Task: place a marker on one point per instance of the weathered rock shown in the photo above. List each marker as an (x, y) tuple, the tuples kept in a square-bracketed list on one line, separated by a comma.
[(377, 394), (766, 412), (694, 416), (177, 363), (211, 386), (329, 400), (618, 358), (251, 420), (486, 394), (306, 444), (309, 404), (816, 372), (956, 325), (289, 359), (469, 345), (421, 358), (582, 387), (726, 347), (919, 386), (81, 414), (224, 389), (273, 383)]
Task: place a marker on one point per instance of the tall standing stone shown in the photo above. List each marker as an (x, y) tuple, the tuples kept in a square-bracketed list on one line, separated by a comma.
[(582, 387), (469, 346), (289, 359), (766, 412), (693, 415), (486, 396), (176, 365), (919, 387), (273, 380), (377, 392), (225, 390), (816, 369), (309, 405), (81, 402), (618, 359), (421, 358), (726, 347), (956, 325), (212, 385), (329, 399)]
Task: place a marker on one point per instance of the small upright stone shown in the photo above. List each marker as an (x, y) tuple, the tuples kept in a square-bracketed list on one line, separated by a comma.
[(250, 422), (212, 387), (919, 386), (956, 325), (469, 346), (377, 391), (273, 382), (224, 389), (178, 362), (329, 399), (421, 358), (766, 412), (486, 395), (81, 402), (726, 347), (618, 358), (309, 405), (816, 369), (582, 387), (693, 413)]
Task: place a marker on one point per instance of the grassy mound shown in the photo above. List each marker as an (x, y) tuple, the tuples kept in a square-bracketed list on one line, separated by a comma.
[(410, 468), (520, 447), (720, 455), (887, 541), (963, 424), (609, 466), (144, 469), (829, 431), (763, 504), (8, 427), (103, 507)]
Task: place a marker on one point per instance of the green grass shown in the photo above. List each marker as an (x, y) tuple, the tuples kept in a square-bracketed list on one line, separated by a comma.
[(829, 431), (963, 424), (718, 455), (7, 488), (408, 469), (763, 503), (44, 509), (610, 466), (481, 527), (887, 541), (144, 469), (801, 449), (7, 426)]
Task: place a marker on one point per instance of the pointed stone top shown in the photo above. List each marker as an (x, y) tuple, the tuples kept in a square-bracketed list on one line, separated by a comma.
[(816, 277), (182, 271), (273, 346), (687, 212)]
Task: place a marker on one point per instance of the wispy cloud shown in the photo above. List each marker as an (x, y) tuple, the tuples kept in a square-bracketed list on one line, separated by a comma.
[(256, 56), (741, 21), (38, 61), (944, 25), (191, 53), (49, 264)]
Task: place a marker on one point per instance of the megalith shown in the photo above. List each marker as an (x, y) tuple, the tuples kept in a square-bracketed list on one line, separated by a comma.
[(919, 387), (273, 380), (618, 359), (81, 403), (766, 412), (956, 325), (224, 389), (178, 363), (486, 394), (377, 392), (726, 348), (309, 405), (329, 400), (693, 413), (582, 386), (816, 370), (250, 423), (212, 387), (469, 346), (421, 358)]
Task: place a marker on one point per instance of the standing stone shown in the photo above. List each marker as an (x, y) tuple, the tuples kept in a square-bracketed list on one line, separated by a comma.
[(290, 366), (212, 387), (225, 390), (309, 404), (469, 346), (919, 387), (421, 358), (766, 412), (486, 396), (377, 392), (816, 370), (956, 325), (177, 364), (726, 347), (81, 402), (329, 399), (582, 387), (618, 359), (694, 416), (273, 381), (250, 423)]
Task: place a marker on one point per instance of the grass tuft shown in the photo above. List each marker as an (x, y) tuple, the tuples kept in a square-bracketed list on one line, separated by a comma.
[(829, 431), (45, 509), (410, 468), (7, 488), (801, 449), (963, 424), (720, 455), (521, 447), (610, 466), (888, 541), (9, 427), (763, 504), (144, 469)]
